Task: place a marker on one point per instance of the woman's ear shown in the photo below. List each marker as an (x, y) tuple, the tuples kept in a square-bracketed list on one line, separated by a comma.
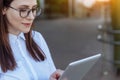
[(4, 11)]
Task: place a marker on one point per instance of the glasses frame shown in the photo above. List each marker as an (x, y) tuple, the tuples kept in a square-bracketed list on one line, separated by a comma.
[(38, 12)]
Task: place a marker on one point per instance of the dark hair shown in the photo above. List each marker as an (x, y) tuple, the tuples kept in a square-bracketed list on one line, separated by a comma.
[(7, 60)]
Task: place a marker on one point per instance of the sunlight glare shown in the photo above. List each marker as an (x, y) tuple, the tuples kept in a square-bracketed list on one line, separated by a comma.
[(103, 0), (87, 3)]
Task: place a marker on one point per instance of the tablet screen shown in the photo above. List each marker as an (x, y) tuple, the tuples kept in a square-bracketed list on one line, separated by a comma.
[(77, 69)]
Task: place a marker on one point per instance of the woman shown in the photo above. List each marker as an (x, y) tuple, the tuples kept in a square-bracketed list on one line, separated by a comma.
[(24, 54)]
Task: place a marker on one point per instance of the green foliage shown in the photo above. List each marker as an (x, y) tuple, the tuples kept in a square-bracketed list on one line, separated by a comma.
[(38, 3), (56, 7)]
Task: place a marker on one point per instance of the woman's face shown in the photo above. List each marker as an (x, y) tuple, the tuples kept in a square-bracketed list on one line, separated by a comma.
[(16, 23)]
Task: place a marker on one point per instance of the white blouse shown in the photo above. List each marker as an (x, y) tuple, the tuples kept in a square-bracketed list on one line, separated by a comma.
[(27, 68)]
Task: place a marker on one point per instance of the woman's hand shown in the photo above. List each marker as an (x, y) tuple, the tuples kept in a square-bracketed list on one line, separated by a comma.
[(56, 74)]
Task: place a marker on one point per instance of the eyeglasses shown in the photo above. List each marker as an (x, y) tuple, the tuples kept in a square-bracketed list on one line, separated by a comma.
[(25, 12)]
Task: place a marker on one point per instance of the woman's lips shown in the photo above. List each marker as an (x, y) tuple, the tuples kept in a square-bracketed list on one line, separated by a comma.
[(27, 24)]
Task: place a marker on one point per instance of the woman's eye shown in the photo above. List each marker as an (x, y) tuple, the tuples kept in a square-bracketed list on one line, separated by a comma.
[(23, 10), (34, 9)]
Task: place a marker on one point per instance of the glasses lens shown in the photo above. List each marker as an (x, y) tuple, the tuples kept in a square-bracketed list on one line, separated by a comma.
[(34, 11), (38, 12), (24, 13)]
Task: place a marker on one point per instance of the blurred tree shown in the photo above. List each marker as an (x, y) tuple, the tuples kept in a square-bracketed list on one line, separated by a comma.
[(55, 8), (38, 3)]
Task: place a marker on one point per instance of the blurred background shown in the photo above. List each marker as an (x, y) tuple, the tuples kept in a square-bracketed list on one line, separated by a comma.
[(76, 29)]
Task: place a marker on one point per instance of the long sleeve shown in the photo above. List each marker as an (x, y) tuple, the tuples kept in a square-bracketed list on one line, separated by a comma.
[(27, 68)]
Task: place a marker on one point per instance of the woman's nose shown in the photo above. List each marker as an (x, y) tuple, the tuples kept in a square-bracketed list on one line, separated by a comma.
[(31, 15)]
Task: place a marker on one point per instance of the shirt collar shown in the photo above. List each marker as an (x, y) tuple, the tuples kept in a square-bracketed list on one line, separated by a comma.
[(14, 37), (21, 35)]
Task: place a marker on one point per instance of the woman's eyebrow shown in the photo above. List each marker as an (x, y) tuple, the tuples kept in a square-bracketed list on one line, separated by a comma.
[(26, 6), (35, 6)]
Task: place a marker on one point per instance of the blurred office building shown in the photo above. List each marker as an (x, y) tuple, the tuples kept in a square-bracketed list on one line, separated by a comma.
[(74, 8)]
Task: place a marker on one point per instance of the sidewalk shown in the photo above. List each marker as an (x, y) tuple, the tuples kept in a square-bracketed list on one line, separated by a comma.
[(73, 39)]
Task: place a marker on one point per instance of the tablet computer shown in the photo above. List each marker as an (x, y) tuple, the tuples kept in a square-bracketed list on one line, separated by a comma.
[(78, 69)]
